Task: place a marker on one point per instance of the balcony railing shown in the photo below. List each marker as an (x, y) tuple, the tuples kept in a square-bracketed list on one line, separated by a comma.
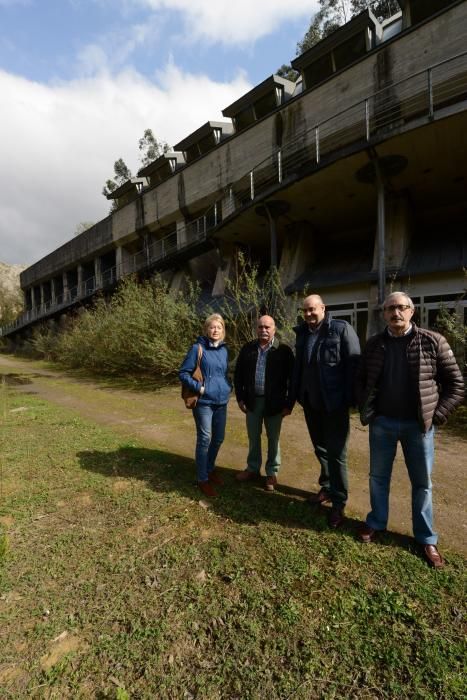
[(400, 105)]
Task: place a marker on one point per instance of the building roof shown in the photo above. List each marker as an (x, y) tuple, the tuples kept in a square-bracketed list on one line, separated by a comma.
[(339, 36), (205, 130), (262, 89), (133, 185), (160, 162)]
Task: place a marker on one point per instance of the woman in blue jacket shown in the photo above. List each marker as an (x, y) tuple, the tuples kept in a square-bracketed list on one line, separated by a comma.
[(210, 412)]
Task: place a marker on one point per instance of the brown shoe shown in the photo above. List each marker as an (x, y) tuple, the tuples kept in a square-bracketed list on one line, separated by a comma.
[(246, 475), (207, 489), (433, 556), (214, 478), (366, 533), (271, 483), (323, 496), (336, 517)]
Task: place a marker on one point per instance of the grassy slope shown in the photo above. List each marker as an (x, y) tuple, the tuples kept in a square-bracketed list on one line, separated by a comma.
[(148, 594)]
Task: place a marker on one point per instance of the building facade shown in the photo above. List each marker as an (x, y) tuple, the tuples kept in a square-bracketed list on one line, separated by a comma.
[(352, 180)]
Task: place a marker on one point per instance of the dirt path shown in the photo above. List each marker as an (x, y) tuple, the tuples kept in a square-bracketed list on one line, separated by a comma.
[(159, 418)]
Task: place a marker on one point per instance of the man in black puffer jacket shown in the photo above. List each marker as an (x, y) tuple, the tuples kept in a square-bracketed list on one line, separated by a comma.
[(263, 379), (408, 381), (326, 354)]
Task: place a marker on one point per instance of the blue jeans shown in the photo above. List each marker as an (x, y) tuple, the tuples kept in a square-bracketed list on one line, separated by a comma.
[(418, 449), (210, 432)]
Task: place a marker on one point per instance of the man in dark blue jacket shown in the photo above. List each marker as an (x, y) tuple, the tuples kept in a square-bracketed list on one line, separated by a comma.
[(327, 353)]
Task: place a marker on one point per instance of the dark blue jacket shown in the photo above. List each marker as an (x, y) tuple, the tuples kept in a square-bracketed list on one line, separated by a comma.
[(214, 363), (337, 353)]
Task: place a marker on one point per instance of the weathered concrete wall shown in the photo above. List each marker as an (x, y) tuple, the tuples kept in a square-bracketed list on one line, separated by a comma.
[(86, 245)]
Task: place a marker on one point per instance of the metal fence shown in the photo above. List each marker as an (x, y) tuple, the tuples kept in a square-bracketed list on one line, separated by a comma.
[(402, 104)]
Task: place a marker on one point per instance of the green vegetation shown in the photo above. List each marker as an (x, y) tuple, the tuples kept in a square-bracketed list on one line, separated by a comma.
[(142, 329), (119, 583), (146, 330)]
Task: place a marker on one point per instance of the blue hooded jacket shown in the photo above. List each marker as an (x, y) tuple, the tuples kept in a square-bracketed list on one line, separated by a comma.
[(214, 362)]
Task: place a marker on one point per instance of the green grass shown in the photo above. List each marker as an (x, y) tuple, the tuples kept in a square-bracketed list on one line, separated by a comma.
[(105, 548)]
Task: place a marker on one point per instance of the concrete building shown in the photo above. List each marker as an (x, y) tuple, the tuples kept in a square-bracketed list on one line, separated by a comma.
[(350, 180)]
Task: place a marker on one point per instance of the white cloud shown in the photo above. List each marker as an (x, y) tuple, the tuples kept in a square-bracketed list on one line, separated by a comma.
[(59, 143), (230, 22)]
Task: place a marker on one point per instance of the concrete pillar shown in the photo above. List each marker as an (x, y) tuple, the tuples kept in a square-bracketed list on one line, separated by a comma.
[(398, 231), (66, 291), (227, 253), (298, 252), (182, 238), (53, 295), (97, 273), (42, 300), (122, 262), (80, 280)]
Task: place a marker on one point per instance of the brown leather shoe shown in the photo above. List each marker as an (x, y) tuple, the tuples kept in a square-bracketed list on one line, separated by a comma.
[(246, 475), (323, 496), (336, 517), (271, 483), (207, 489), (366, 533), (433, 556), (214, 478)]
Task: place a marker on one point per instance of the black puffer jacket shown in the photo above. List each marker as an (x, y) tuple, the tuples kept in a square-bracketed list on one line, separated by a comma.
[(433, 369), (278, 377)]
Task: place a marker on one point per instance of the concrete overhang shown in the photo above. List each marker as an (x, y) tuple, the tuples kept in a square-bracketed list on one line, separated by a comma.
[(259, 91), (226, 129), (365, 20), (133, 186), (175, 160)]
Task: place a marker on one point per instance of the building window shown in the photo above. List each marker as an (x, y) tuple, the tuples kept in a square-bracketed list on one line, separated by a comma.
[(318, 71), (421, 9), (244, 118), (265, 105), (192, 152), (350, 51)]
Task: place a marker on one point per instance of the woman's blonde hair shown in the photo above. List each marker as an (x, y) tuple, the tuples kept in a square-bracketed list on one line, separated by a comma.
[(215, 318)]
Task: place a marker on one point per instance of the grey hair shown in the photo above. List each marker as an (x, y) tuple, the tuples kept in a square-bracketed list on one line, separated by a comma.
[(399, 294)]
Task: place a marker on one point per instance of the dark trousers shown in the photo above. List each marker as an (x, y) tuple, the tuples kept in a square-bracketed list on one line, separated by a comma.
[(329, 433)]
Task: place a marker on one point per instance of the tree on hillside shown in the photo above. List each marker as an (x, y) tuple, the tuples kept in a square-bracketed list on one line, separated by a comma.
[(122, 173), (150, 148), (334, 13)]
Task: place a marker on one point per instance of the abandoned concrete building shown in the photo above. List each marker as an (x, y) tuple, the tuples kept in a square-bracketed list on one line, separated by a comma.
[(349, 180)]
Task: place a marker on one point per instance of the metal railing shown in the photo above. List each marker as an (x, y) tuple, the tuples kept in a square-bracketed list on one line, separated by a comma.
[(402, 104)]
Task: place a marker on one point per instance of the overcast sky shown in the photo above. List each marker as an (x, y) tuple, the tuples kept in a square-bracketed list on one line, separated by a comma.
[(80, 80)]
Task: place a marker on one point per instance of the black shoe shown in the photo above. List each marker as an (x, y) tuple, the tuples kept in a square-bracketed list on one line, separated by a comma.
[(336, 517), (316, 499)]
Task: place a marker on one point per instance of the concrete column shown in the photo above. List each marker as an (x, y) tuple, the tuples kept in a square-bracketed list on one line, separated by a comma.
[(227, 253), (298, 252), (397, 232), (66, 291), (80, 280), (97, 273), (182, 238), (122, 261), (42, 300), (52, 292)]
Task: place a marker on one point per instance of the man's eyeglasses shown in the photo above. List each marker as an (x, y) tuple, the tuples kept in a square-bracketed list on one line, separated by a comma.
[(397, 307)]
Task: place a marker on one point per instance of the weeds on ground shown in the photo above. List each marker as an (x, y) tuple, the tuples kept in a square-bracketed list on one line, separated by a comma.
[(120, 583)]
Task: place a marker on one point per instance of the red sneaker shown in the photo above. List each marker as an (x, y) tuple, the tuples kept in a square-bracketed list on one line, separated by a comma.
[(207, 489)]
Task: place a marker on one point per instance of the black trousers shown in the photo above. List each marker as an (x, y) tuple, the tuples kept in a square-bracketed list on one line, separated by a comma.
[(329, 433)]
